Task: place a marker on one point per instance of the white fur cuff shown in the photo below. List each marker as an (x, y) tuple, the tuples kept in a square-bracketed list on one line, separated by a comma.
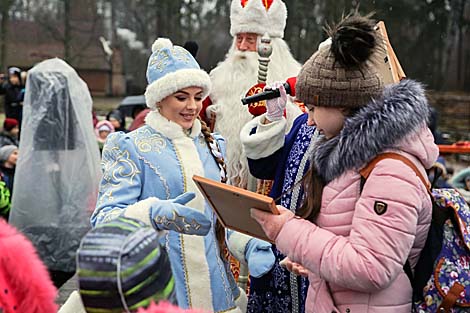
[(140, 210), (242, 301), (268, 137), (237, 245)]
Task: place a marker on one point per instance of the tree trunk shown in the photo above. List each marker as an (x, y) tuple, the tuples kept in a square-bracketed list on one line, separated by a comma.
[(460, 47), (67, 32), (5, 8)]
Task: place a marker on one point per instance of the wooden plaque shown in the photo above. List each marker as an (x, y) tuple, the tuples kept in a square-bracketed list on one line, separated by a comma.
[(232, 206), (389, 66)]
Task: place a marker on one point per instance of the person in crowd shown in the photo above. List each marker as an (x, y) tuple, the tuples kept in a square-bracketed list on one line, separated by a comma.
[(14, 91), (5, 200), (284, 160), (9, 135), (461, 181), (94, 118), (233, 77), (147, 176), (353, 241), (117, 119), (102, 130), (24, 281), (57, 175), (139, 120), (8, 159)]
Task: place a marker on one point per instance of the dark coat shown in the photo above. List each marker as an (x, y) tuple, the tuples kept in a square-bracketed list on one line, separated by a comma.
[(7, 139)]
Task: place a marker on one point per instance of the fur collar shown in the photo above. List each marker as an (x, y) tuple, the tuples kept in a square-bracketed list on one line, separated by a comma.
[(170, 129), (379, 126)]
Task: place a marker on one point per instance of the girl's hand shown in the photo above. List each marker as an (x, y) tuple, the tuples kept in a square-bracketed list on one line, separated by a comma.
[(293, 267), (272, 223)]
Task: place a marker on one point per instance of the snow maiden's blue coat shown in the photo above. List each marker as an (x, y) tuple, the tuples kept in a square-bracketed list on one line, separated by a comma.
[(158, 160)]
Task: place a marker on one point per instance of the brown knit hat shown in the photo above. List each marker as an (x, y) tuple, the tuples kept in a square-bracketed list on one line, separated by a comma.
[(342, 74)]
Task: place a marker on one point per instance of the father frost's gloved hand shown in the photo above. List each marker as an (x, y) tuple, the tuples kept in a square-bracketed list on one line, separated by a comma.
[(174, 215), (259, 256), (275, 107)]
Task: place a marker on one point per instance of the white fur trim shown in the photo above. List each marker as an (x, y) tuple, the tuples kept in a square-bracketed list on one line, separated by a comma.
[(268, 137), (197, 269), (326, 44), (73, 304), (242, 301), (253, 18), (172, 82), (237, 245), (277, 16), (168, 128), (161, 43), (141, 210)]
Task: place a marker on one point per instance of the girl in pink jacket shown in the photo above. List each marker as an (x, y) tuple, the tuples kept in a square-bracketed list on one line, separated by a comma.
[(351, 240)]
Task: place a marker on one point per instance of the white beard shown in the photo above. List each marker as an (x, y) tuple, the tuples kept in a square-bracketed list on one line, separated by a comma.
[(231, 79)]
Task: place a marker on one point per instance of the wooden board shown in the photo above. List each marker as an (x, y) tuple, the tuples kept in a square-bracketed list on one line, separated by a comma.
[(389, 66), (232, 205)]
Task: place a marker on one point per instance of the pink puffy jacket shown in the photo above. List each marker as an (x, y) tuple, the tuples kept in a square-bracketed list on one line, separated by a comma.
[(355, 252)]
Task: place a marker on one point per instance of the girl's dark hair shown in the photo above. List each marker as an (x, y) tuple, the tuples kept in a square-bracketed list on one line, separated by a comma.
[(313, 185), (313, 190), (219, 229)]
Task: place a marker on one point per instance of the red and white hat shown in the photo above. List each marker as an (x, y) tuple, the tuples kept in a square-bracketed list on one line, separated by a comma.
[(258, 16)]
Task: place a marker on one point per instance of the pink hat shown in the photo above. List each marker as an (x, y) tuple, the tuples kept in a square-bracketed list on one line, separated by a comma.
[(25, 285)]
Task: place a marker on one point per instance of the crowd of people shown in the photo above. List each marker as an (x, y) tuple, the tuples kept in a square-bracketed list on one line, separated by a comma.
[(139, 236)]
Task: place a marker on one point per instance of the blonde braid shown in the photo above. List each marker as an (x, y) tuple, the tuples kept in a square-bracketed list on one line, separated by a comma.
[(215, 151), (213, 148)]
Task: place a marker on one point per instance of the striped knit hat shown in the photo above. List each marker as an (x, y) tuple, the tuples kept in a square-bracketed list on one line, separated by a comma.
[(122, 267)]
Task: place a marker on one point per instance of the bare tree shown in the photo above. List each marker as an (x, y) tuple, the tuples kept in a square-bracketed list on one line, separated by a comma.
[(5, 6), (75, 33)]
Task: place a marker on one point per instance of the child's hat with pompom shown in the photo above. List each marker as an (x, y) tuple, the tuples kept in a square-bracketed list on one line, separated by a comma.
[(342, 73), (172, 68)]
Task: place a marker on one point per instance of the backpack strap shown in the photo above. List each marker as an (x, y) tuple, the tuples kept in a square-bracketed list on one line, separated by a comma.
[(452, 296), (365, 172)]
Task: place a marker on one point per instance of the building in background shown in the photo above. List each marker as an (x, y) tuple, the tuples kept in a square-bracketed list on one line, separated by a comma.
[(70, 30)]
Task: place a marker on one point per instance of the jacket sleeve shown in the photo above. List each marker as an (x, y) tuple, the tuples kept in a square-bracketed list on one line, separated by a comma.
[(374, 253), (120, 184)]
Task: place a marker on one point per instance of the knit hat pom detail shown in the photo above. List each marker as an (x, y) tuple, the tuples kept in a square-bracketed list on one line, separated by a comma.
[(354, 40), (161, 43)]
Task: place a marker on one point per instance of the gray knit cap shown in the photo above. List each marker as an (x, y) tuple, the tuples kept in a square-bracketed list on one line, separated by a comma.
[(6, 151), (342, 74)]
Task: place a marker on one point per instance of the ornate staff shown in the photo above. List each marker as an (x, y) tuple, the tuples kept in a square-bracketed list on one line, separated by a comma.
[(263, 186), (264, 51)]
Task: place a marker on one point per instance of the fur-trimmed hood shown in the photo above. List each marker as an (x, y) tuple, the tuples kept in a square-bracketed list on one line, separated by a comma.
[(396, 121)]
